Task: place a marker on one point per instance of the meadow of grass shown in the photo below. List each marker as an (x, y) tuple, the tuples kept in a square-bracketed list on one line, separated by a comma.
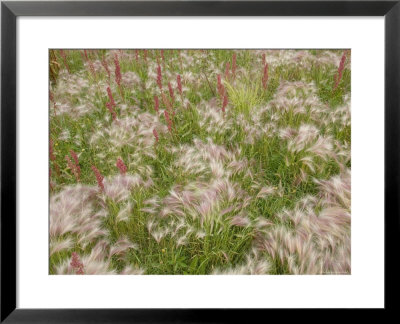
[(200, 162)]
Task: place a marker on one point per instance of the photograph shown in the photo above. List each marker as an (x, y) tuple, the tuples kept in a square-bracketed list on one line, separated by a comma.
[(199, 161)]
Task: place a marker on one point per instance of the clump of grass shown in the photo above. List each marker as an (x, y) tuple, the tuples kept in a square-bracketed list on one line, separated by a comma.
[(244, 97)]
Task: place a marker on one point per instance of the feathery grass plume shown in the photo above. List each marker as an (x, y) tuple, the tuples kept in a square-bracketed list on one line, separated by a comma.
[(156, 104), (118, 188), (339, 74), (121, 166), (121, 247), (99, 177), (117, 70), (76, 263), (73, 210), (265, 192), (316, 239), (64, 57), (240, 221), (179, 84), (129, 270), (57, 245), (124, 213), (254, 265), (159, 77), (265, 76), (155, 135)]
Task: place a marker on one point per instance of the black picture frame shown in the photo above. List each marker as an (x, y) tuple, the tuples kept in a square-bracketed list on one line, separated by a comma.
[(9, 13)]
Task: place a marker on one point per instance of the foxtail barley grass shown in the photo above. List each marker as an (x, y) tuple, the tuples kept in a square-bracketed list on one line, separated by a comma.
[(200, 162)]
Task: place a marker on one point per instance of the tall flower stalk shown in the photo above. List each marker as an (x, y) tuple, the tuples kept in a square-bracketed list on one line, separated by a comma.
[(339, 74), (76, 263), (121, 166), (118, 76), (159, 77), (265, 76), (99, 177)]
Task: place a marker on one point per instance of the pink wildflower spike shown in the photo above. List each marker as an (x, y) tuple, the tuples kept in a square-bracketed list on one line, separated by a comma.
[(156, 104), (83, 56), (263, 58), (110, 96), (105, 65), (180, 60), (339, 74), (86, 55), (91, 68), (111, 110), (227, 68), (87, 59), (234, 65), (72, 167), (77, 167), (169, 121), (167, 103), (74, 156), (51, 149), (117, 70), (110, 105), (51, 97), (155, 135), (220, 86), (64, 56), (179, 83), (159, 77), (50, 183), (171, 92), (121, 166), (137, 56), (225, 103), (76, 263), (265, 76), (99, 177)]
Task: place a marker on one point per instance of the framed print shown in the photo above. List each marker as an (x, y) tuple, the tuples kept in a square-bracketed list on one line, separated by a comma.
[(162, 160)]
